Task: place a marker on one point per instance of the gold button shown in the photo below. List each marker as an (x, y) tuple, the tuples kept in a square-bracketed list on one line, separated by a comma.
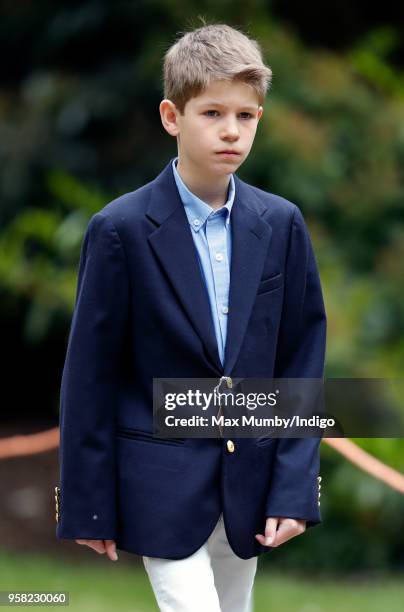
[(230, 446), (229, 382), (57, 503)]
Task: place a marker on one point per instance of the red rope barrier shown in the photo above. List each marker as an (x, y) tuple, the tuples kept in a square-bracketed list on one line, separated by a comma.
[(31, 444), (367, 462)]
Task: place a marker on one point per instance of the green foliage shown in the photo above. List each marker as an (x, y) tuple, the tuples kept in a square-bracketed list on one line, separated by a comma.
[(39, 250)]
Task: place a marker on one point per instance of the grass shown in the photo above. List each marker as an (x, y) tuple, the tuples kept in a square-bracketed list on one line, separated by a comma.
[(101, 586), (288, 593)]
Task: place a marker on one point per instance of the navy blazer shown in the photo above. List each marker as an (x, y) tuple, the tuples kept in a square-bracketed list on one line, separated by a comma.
[(142, 312)]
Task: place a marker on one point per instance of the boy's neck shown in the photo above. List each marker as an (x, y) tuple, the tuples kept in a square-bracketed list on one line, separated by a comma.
[(213, 193)]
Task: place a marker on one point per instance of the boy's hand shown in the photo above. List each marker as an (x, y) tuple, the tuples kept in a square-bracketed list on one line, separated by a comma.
[(102, 547), (275, 535)]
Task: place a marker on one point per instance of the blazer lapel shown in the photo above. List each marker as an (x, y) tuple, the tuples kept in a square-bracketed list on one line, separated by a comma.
[(174, 246), (250, 242)]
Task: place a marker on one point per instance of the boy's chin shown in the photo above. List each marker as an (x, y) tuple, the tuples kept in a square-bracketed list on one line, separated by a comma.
[(224, 166)]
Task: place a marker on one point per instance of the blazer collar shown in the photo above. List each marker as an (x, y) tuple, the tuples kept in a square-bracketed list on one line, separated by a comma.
[(173, 244)]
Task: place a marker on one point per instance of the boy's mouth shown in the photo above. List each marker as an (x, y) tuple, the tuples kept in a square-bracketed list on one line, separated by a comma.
[(228, 152)]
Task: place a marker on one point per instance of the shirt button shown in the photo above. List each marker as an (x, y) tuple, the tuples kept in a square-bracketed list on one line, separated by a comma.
[(225, 309), (196, 222), (219, 256)]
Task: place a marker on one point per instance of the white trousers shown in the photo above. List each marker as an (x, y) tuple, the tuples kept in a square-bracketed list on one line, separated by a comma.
[(213, 579)]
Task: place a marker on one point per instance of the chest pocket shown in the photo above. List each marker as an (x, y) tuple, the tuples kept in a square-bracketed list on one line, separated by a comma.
[(270, 283)]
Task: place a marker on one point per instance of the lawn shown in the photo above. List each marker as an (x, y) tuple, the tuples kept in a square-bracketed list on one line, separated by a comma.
[(102, 586)]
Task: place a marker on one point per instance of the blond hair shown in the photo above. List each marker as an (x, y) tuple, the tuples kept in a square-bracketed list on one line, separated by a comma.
[(211, 52)]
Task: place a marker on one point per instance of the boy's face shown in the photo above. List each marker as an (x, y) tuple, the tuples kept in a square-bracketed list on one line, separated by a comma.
[(222, 118)]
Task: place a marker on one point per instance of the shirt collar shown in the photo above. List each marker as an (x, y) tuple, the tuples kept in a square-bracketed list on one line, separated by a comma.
[(196, 209)]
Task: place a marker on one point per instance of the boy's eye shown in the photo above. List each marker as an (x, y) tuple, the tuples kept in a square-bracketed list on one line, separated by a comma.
[(249, 115)]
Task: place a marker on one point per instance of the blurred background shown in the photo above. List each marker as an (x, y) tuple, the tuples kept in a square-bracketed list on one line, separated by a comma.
[(81, 83)]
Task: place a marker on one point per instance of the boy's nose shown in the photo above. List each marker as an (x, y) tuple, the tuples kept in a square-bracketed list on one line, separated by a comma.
[(230, 129)]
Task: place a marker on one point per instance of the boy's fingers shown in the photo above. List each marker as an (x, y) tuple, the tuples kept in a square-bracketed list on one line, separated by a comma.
[(288, 528), (97, 545), (270, 530), (285, 532), (111, 549)]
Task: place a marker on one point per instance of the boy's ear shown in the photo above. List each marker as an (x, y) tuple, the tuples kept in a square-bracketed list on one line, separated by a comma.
[(168, 117)]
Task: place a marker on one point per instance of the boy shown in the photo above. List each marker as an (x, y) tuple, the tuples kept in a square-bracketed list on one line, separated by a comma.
[(194, 275)]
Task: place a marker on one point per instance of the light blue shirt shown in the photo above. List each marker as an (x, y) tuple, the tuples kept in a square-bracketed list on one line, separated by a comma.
[(211, 233)]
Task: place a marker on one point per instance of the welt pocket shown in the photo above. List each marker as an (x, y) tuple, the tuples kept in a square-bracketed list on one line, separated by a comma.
[(272, 282), (146, 436), (266, 441)]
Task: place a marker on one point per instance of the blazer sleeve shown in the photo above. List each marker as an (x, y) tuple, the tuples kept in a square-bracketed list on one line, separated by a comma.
[(294, 488), (85, 500)]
